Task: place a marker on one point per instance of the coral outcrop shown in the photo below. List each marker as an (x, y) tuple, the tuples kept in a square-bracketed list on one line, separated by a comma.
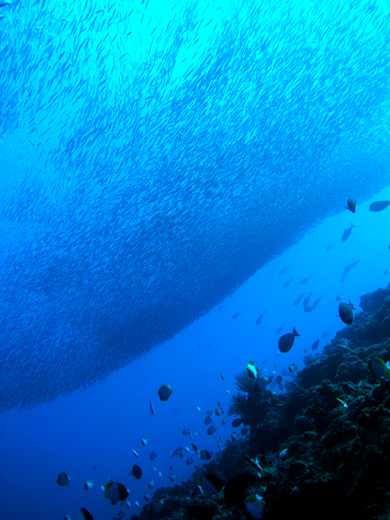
[(335, 426)]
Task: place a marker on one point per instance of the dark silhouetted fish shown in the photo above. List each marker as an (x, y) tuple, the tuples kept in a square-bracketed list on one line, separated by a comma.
[(136, 472), (338, 298), (260, 318), (286, 284), (279, 330), (329, 247), (305, 280), (308, 308), (346, 312), (299, 299), (326, 334), (283, 270), (115, 492), (236, 422), (316, 302), (379, 205), (346, 233), (351, 204), (236, 315), (210, 484), (287, 341), (235, 489), (348, 268), (306, 300), (205, 455), (315, 345), (86, 514)]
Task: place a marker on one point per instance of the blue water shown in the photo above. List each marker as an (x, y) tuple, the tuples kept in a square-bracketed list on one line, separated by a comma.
[(159, 166)]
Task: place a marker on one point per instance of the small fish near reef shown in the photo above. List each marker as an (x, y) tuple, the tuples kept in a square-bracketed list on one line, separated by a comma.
[(254, 505), (287, 341), (379, 368), (252, 370), (115, 492), (346, 312)]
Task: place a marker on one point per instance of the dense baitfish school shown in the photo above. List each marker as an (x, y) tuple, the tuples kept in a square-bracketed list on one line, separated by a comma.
[(153, 160), (145, 155)]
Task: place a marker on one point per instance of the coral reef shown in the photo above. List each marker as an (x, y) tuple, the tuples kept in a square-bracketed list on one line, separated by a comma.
[(334, 426)]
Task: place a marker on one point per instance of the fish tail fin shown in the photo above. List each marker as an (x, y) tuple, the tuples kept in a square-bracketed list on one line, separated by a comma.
[(295, 332)]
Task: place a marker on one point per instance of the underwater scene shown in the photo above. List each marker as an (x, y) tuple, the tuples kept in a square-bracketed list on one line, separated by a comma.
[(195, 259)]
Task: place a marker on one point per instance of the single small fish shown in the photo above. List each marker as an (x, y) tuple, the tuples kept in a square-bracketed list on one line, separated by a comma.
[(315, 345), (299, 299), (190, 461), (329, 247), (210, 484), (252, 369), (63, 479), (283, 454), (279, 330), (88, 485), (135, 454), (379, 205), (211, 430), (342, 402), (255, 506), (164, 392), (144, 442), (223, 379), (351, 204), (115, 492), (316, 302), (136, 472), (345, 312), (152, 410), (236, 315), (347, 233), (283, 270), (153, 455), (379, 368), (287, 341), (305, 280), (306, 300), (205, 455), (177, 451), (254, 463), (286, 284), (208, 420), (260, 318)]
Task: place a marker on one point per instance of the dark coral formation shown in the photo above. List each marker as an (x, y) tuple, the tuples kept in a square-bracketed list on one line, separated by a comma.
[(338, 458)]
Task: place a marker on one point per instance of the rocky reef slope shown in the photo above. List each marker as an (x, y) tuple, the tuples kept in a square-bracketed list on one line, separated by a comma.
[(337, 463)]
